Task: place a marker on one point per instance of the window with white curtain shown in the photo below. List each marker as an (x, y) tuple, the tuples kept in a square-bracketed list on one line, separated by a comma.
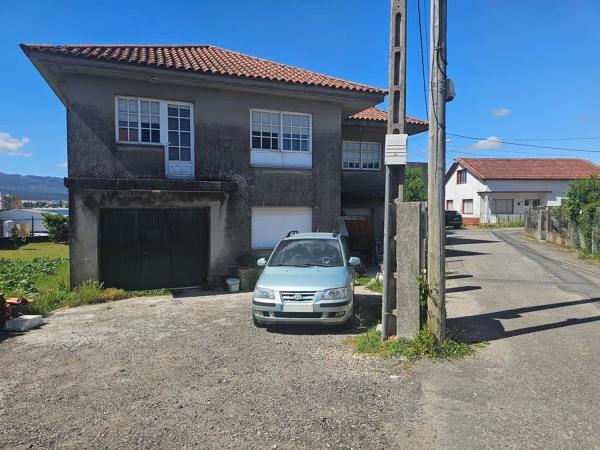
[(283, 131), (351, 155), (361, 155), (502, 206), (467, 206), (138, 120)]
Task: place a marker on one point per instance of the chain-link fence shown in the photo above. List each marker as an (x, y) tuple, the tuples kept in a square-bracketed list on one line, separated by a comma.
[(553, 225)]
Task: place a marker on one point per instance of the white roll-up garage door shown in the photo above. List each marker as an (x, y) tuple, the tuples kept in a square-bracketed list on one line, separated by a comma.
[(271, 223)]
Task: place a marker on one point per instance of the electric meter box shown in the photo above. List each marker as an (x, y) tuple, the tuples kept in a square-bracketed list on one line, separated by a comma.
[(395, 149)]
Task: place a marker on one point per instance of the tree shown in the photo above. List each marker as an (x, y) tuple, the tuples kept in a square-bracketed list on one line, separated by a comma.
[(415, 186), (582, 206), (57, 226), (17, 237)]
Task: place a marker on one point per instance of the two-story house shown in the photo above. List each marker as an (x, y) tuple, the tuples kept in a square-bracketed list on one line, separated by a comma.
[(184, 161)]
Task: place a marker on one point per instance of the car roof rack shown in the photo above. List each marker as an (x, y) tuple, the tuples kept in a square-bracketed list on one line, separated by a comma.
[(334, 233), (291, 233)]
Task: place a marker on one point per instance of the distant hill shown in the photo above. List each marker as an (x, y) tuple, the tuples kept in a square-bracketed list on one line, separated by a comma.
[(31, 187)]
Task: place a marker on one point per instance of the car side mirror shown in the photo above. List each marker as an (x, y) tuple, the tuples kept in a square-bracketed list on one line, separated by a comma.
[(354, 261), (261, 262)]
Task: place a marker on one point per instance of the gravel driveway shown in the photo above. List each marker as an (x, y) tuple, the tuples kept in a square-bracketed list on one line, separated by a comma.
[(163, 372)]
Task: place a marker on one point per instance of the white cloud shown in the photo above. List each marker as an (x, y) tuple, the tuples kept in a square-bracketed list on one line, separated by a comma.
[(487, 144), (62, 165), (12, 146), (501, 112)]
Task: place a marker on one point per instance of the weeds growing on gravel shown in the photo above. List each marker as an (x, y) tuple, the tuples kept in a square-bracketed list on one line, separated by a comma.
[(371, 284), (424, 345)]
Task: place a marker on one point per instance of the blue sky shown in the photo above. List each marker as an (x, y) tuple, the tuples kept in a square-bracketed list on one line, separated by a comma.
[(522, 72)]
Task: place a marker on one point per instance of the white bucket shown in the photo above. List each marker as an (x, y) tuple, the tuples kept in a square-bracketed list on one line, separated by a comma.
[(233, 284)]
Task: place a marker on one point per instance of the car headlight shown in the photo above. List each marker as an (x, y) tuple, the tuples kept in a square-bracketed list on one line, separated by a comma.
[(334, 294), (260, 292)]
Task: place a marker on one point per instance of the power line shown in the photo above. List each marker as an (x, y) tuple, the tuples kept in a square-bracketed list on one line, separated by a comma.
[(422, 61), (555, 139), (500, 141)]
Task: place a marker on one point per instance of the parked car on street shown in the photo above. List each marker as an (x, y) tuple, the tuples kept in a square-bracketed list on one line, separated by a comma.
[(309, 278), (453, 219)]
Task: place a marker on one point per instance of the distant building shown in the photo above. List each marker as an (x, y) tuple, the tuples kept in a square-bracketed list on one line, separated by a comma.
[(490, 190), (8, 201)]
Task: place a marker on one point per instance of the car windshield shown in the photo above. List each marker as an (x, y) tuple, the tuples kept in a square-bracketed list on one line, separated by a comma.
[(307, 252)]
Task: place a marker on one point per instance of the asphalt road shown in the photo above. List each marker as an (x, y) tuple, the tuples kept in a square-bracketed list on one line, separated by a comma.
[(193, 372), (537, 385)]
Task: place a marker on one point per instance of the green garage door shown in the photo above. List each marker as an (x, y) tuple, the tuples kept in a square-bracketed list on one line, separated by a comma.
[(153, 248)]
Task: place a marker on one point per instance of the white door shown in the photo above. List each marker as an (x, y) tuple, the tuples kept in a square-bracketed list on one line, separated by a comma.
[(180, 149), (271, 223)]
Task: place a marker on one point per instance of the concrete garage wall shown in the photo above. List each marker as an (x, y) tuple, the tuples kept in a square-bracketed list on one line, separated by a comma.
[(226, 226)]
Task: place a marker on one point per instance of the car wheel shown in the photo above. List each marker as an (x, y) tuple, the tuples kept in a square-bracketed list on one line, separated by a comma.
[(256, 322)]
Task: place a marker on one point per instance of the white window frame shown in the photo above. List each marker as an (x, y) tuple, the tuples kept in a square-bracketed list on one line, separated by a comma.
[(139, 128), (463, 206), (280, 138), (378, 144), (163, 129)]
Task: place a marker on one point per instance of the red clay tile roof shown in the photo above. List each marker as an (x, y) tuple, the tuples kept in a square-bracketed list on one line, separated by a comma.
[(205, 59), (529, 168), (379, 115)]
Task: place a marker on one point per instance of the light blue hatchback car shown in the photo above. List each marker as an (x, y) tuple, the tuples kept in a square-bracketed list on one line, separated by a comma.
[(309, 278)]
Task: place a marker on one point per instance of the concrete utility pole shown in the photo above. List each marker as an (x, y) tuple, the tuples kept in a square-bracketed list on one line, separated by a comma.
[(394, 171), (436, 240)]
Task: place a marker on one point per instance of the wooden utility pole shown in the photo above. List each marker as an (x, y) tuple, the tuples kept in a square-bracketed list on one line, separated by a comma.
[(436, 240), (394, 174)]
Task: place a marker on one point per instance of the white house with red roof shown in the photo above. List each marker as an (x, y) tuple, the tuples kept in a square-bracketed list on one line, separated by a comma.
[(491, 190)]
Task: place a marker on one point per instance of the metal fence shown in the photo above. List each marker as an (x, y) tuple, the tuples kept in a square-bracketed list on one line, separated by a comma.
[(552, 225), (29, 227)]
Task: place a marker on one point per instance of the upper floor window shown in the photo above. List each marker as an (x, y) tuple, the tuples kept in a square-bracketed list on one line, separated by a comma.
[(461, 176), (283, 131), (138, 120), (361, 155)]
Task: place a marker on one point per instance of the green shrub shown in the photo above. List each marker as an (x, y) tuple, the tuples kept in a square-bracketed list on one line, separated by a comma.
[(57, 226), (415, 186), (582, 207)]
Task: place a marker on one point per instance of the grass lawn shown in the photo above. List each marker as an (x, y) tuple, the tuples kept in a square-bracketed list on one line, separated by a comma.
[(37, 250), (40, 271)]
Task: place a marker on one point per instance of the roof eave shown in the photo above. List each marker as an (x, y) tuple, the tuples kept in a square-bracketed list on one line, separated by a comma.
[(364, 99)]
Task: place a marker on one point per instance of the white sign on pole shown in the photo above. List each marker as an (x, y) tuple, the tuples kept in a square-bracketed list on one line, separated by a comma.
[(395, 149)]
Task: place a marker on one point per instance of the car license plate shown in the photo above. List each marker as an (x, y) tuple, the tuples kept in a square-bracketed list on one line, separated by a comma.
[(296, 307)]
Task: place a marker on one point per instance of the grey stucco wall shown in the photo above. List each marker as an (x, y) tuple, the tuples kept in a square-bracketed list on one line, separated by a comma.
[(222, 142), (222, 146)]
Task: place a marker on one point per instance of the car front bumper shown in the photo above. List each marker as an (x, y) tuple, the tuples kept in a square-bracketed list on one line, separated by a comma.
[(334, 312)]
